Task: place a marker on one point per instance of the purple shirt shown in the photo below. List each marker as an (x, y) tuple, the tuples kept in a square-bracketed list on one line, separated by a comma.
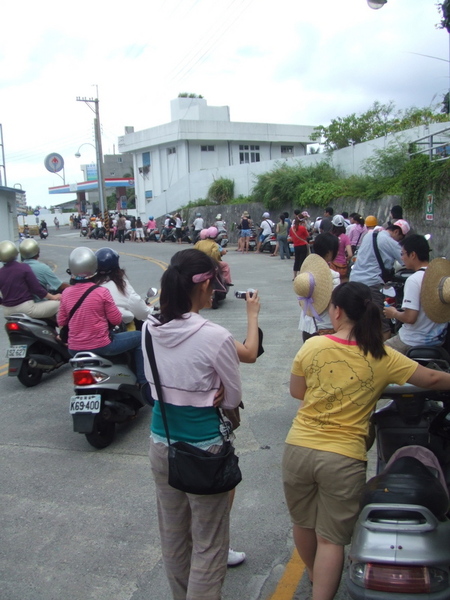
[(19, 284)]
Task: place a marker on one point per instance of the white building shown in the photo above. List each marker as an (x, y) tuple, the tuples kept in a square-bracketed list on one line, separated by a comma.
[(176, 163)]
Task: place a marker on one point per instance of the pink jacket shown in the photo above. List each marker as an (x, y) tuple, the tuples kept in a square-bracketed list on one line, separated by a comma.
[(193, 356)]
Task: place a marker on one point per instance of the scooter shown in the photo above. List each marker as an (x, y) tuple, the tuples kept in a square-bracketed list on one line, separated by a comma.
[(43, 233), (400, 547), (222, 238), (83, 232), (106, 392), (34, 350), (153, 235)]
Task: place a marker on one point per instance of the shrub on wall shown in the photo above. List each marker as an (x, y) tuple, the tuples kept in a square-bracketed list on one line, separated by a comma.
[(221, 191)]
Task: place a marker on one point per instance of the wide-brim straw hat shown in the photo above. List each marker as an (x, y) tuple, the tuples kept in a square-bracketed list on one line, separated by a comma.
[(435, 291), (313, 285)]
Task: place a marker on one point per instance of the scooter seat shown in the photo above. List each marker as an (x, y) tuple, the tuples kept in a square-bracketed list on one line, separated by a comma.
[(407, 481)]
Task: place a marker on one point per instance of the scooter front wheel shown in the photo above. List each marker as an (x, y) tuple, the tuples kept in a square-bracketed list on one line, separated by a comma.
[(29, 376), (102, 434)]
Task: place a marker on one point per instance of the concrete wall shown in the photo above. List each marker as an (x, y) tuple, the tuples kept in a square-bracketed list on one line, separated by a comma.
[(438, 228), (8, 212)]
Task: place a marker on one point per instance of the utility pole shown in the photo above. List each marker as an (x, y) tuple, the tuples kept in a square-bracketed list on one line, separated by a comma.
[(2, 159), (98, 148)]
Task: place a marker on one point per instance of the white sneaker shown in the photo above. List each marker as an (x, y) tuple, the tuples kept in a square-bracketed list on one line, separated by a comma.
[(235, 558)]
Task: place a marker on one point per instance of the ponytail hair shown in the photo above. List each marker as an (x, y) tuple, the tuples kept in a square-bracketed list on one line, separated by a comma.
[(355, 299), (177, 283)]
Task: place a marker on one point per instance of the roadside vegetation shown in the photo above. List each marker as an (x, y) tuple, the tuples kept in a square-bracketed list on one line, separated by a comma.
[(395, 170)]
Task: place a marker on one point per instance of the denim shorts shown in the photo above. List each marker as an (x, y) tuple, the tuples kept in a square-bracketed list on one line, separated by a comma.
[(246, 232)]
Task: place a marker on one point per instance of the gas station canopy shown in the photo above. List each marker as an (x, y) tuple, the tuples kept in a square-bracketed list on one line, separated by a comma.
[(90, 186)]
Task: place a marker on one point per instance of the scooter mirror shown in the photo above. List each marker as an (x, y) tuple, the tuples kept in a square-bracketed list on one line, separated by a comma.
[(152, 292)]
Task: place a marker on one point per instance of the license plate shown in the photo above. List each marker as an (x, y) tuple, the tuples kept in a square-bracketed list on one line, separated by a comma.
[(273, 243), (85, 404), (16, 352)]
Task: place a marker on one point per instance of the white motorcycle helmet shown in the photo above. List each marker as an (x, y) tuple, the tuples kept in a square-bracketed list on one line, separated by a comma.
[(83, 264)]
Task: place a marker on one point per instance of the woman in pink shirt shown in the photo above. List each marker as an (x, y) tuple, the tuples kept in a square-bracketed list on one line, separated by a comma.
[(344, 254), (89, 326)]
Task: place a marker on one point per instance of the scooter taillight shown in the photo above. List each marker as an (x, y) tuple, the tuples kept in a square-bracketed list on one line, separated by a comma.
[(399, 579), (88, 377), (12, 327)]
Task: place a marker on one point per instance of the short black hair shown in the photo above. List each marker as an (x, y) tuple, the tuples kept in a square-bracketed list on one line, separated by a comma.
[(418, 244), (345, 214), (324, 243), (329, 210), (397, 212)]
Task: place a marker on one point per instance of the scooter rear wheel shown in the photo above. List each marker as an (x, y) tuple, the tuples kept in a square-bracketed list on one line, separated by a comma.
[(102, 434), (29, 376)]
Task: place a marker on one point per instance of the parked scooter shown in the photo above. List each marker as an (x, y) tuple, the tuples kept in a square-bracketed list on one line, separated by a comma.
[(400, 544), (186, 235), (83, 231), (34, 350), (153, 235), (222, 238)]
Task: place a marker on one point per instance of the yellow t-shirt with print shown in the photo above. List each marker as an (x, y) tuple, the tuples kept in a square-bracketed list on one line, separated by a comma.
[(343, 387)]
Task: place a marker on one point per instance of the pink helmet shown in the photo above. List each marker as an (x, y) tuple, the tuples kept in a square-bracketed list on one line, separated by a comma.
[(203, 234), (212, 232)]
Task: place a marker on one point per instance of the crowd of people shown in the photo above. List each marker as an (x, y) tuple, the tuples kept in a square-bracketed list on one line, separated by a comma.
[(346, 359)]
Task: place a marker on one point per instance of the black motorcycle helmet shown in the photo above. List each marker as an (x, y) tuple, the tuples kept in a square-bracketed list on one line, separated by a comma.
[(108, 260)]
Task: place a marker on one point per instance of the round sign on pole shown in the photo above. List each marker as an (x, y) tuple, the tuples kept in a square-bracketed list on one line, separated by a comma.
[(37, 213), (54, 162)]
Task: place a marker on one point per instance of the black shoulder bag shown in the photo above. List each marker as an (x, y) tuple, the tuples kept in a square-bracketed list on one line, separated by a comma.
[(386, 274), (191, 469), (64, 330)]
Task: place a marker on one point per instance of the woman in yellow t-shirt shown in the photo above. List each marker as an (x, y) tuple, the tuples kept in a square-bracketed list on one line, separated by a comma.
[(339, 378)]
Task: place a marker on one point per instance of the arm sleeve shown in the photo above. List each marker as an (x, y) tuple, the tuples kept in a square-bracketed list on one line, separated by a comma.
[(227, 367), (136, 305), (112, 313), (411, 297)]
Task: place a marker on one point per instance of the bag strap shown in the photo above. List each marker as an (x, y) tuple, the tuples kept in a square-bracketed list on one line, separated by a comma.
[(157, 381), (377, 253), (78, 303)]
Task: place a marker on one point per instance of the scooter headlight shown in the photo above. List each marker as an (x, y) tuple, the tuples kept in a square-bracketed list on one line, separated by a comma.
[(88, 377), (399, 579)]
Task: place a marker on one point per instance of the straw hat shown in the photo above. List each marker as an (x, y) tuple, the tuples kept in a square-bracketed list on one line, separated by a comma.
[(314, 285), (435, 292)]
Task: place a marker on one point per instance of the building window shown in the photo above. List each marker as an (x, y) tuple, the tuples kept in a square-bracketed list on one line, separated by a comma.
[(171, 150), (207, 148), (119, 159), (146, 159), (149, 193), (248, 154), (289, 150)]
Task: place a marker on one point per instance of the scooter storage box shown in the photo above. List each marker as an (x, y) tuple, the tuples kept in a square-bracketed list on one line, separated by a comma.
[(407, 481)]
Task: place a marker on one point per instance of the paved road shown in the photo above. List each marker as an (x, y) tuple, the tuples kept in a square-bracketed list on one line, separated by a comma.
[(80, 524)]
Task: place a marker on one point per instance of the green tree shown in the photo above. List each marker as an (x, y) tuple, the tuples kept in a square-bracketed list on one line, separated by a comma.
[(377, 121)]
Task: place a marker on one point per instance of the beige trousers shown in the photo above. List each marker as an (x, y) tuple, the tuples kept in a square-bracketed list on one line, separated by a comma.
[(194, 533), (37, 310)]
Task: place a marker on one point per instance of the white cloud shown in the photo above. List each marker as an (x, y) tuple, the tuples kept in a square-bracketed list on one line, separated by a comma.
[(294, 61)]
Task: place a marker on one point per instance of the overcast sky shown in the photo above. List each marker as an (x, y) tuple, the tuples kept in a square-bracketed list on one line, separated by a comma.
[(303, 62)]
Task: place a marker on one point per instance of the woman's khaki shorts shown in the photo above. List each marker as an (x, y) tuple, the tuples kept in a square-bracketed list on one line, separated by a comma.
[(322, 491)]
